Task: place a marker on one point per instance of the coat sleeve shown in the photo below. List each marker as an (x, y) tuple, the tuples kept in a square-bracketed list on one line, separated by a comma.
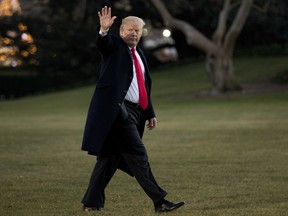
[(106, 44)]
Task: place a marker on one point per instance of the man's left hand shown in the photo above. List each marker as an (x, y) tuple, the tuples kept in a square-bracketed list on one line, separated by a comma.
[(151, 124)]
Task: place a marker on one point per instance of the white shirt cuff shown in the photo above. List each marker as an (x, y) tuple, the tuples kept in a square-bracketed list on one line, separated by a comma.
[(103, 33)]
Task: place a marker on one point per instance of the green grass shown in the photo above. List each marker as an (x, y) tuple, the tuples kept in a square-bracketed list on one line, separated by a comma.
[(223, 156)]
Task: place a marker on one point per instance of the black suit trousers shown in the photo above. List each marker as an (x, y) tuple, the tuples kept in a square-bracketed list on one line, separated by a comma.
[(123, 142)]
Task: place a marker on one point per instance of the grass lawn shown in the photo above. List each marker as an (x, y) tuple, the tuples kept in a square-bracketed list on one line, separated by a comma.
[(224, 156)]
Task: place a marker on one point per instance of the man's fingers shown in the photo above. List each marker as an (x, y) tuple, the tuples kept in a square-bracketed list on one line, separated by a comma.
[(109, 12), (113, 18), (151, 124), (106, 11)]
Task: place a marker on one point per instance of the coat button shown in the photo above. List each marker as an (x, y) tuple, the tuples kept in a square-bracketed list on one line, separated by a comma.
[(125, 91), (131, 77), (119, 104)]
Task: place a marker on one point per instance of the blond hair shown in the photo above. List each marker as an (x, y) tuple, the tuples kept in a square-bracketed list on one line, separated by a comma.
[(133, 19)]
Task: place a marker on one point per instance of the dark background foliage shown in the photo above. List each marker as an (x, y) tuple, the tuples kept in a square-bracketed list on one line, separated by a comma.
[(65, 40)]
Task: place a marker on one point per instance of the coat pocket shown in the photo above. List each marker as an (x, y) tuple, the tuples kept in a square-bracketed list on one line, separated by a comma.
[(123, 113)]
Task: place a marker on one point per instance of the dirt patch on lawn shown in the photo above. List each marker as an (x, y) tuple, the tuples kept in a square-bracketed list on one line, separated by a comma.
[(248, 89)]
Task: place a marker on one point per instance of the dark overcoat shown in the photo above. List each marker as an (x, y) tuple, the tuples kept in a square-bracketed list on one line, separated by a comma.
[(115, 78)]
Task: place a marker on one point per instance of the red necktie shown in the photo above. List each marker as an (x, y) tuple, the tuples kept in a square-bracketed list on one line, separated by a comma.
[(143, 98)]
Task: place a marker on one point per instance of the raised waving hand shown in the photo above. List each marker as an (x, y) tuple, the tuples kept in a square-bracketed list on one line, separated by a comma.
[(106, 21)]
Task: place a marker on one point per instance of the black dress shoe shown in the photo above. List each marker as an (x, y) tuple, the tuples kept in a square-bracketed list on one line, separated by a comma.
[(168, 206), (90, 209)]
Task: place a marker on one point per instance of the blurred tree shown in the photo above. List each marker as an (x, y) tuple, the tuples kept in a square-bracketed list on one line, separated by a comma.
[(64, 32), (16, 43), (219, 49), (65, 36)]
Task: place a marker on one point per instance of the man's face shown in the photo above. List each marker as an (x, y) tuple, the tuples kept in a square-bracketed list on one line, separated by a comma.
[(131, 33)]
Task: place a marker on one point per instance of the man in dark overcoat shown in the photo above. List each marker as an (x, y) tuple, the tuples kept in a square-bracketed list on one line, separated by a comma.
[(119, 108)]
